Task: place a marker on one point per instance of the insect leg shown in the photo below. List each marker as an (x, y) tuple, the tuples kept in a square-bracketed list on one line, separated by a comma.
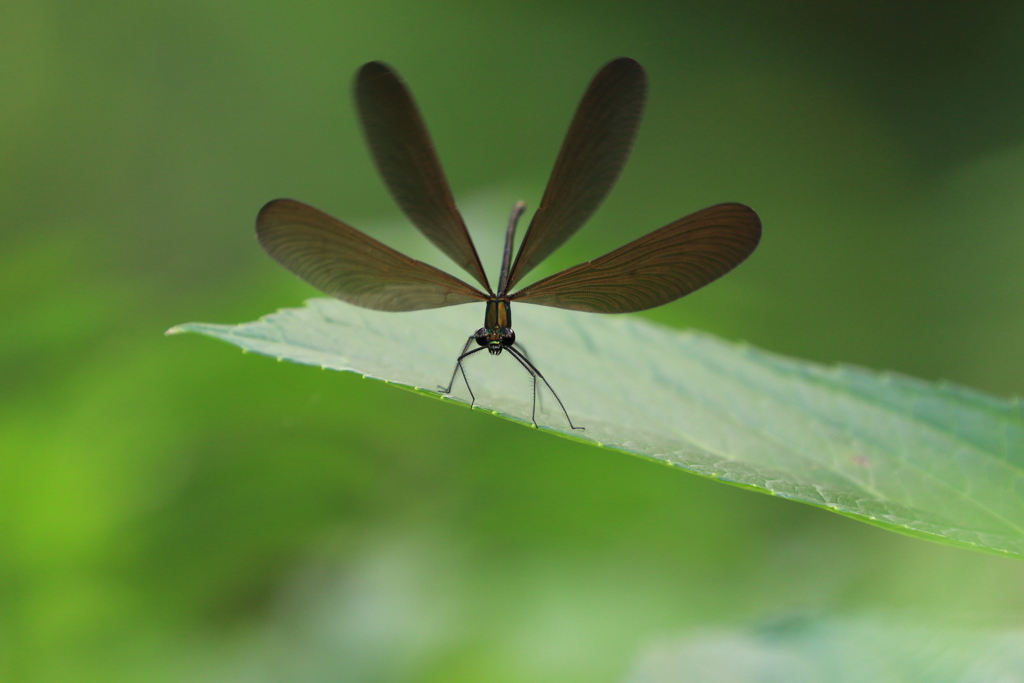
[(459, 368), (533, 376), (458, 364), (462, 369), (525, 362)]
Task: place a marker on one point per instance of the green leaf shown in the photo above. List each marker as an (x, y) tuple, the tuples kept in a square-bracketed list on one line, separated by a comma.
[(935, 461), (871, 648)]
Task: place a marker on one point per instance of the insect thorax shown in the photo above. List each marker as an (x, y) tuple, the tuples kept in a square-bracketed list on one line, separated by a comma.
[(496, 334)]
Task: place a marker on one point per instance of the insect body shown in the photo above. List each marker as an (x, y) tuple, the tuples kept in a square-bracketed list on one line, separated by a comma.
[(497, 333), (660, 267)]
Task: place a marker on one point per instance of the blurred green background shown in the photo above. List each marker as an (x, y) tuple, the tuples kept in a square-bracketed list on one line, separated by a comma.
[(171, 510)]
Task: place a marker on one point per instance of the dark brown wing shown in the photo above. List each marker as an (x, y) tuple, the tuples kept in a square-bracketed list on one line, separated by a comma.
[(596, 147), (343, 262), (405, 157), (658, 268)]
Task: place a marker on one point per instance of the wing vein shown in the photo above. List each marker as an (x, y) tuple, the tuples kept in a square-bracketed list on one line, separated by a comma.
[(341, 261), (592, 156), (660, 267), (405, 157)]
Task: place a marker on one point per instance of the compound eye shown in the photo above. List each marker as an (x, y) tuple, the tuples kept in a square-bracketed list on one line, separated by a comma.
[(481, 336), (508, 337)]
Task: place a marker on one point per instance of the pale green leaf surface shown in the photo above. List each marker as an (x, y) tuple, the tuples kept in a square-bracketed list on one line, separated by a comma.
[(931, 460)]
